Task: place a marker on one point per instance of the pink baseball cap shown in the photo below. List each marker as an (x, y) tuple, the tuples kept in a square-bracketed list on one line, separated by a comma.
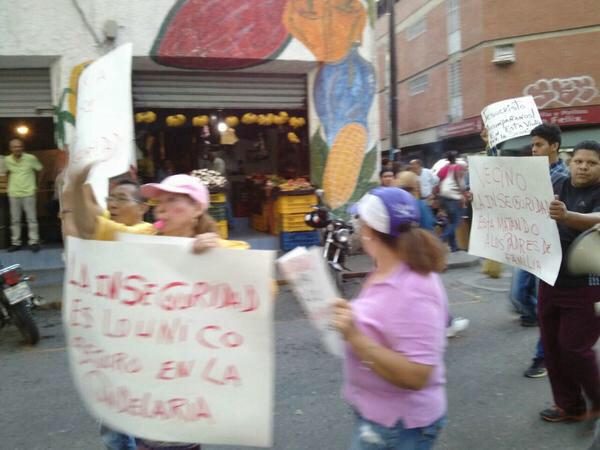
[(179, 184)]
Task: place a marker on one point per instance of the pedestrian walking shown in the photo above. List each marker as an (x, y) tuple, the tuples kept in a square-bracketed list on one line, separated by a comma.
[(452, 188), (395, 329), (427, 179)]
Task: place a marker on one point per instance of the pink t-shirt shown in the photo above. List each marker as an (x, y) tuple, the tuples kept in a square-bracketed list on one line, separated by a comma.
[(408, 313)]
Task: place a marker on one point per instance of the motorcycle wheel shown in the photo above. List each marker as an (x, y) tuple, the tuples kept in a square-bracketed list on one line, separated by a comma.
[(24, 321)]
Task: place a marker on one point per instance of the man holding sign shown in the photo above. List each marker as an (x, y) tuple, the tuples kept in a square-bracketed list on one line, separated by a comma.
[(569, 324)]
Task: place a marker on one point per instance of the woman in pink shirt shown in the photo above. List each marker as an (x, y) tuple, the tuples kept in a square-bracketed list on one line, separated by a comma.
[(395, 330)]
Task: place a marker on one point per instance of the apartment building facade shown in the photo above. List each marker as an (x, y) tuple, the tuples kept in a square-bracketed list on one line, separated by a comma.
[(454, 57)]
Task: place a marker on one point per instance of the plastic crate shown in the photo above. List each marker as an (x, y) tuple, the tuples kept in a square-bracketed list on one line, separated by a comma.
[(294, 204), (217, 198), (218, 212), (293, 222), (259, 222), (223, 229), (295, 239)]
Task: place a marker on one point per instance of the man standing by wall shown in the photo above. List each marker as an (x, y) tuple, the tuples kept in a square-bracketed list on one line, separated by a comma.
[(24, 171), (569, 323), (427, 179)]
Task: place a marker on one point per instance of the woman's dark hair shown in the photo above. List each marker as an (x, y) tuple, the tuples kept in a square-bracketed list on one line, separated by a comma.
[(386, 171), (591, 145), (421, 250), (451, 156), (548, 132)]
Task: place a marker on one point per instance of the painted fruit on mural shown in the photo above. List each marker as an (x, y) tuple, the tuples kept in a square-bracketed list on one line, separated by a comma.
[(343, 93), (328, 28), (344, 164), (221, 34)]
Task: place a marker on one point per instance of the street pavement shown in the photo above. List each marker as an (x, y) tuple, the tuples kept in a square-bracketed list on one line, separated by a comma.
[(491, 404)]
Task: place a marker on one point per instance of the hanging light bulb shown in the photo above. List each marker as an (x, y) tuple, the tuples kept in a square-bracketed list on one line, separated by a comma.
[(222, 127)]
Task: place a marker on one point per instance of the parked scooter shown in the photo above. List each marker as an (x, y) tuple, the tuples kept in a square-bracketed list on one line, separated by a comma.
[(335, 237), (16, 303)]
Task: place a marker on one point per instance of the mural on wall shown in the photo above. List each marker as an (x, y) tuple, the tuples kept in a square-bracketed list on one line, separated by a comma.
[(343, 94), (233, 34), (221, 34), (63, 116), (562, 91)]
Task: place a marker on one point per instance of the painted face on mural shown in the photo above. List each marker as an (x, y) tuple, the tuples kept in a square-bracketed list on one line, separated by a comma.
[(541, 147), (585, 168), (178, 213)]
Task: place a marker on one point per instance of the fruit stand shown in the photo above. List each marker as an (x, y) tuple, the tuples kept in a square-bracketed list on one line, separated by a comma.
[(216, 184)]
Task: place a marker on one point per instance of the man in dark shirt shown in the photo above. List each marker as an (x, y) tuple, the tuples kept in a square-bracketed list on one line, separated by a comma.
[(566, 311)]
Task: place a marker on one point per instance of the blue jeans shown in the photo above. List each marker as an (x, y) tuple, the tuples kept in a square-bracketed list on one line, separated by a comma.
[(455, 212), (114, 440), (372, 436), (539, 350), (523, 294)]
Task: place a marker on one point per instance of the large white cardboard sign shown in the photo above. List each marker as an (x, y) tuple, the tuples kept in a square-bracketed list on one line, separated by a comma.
[(171, 346), (308, 275), (510, 118), (104, 126), (511, 219)]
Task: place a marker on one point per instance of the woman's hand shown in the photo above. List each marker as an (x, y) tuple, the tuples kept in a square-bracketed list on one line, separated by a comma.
[(205, 241), (342, 319)]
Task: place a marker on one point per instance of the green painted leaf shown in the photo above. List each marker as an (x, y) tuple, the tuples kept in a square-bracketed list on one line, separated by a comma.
[(372, 11), (318, 157), (67, 117)]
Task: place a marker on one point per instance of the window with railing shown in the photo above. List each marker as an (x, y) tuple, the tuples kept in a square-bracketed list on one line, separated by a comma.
[(453, 23)]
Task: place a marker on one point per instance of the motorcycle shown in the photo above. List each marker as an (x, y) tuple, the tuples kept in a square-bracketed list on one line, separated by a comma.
[(17, 301), (335, 237)]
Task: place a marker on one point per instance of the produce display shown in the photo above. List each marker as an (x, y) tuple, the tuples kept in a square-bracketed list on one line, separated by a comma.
[(298, 184), (145, 117), (177, 120), (211, 178)]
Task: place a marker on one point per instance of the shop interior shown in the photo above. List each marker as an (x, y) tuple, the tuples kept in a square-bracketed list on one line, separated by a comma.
[(264, 155)]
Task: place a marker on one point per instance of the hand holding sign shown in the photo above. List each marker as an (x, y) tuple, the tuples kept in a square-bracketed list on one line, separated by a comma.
[(513, 209), (509, 119)]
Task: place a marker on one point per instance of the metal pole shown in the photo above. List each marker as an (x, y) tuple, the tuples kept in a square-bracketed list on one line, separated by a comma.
[(393, 76)]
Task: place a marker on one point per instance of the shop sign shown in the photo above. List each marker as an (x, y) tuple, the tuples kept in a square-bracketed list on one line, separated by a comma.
[(572, 116)]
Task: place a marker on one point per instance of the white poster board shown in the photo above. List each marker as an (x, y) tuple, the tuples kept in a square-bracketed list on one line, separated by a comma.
[(104, 123), (171, 346), (510, 118), (309, 278), (511, 219)]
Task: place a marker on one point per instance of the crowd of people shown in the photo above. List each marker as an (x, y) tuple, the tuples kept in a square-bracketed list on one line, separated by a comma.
[(395, 329)]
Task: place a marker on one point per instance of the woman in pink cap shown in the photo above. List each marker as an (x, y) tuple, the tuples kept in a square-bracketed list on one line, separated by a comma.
[(395, 330)]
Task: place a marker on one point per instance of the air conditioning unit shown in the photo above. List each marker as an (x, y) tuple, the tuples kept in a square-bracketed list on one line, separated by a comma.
[(504, 54)]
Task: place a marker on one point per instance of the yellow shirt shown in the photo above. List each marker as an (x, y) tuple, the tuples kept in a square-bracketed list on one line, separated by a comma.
[(21, 178), (106, 230)]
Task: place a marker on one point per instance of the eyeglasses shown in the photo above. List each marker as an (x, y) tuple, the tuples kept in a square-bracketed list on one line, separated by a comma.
[(120, 199)]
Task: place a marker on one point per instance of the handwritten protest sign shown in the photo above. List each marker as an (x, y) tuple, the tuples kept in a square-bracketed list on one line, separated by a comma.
[(104, 131), (510, 119), (179, 351), (308, 276), (511, 220)]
